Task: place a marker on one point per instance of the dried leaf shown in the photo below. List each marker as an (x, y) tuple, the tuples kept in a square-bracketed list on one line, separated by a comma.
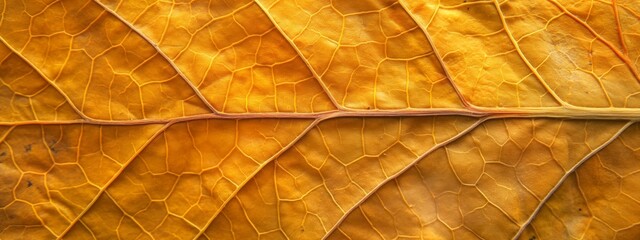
[(299, 119)]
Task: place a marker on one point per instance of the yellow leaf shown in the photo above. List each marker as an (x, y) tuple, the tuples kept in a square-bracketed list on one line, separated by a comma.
[(319, 119)]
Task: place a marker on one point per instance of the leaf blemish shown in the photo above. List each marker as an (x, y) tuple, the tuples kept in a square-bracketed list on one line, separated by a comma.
[(29, 183), (27, 148), (52, 147)]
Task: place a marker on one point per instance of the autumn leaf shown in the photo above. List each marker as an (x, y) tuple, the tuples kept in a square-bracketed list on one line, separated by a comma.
[(319, 119)]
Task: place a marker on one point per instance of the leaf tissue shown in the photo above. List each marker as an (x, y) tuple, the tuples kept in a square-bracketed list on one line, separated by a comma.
[(320, 119)]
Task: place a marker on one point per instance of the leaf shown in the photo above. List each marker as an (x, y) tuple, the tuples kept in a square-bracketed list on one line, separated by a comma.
[(298, 119)]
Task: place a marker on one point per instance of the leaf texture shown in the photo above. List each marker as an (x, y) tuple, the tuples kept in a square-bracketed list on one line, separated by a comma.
[(299, 119)]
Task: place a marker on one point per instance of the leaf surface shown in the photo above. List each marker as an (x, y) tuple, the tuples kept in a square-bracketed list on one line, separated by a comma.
[(297, 119)]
